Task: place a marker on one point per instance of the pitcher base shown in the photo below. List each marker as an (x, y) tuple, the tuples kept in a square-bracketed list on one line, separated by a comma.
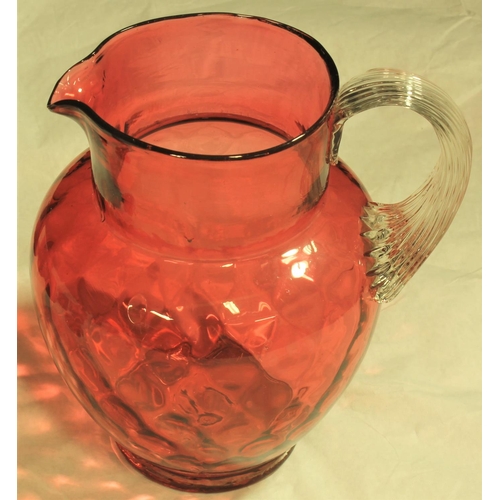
[(205, 483)]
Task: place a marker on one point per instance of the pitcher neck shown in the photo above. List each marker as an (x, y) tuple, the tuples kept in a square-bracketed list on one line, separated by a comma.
[(159, 200), (164, 75)]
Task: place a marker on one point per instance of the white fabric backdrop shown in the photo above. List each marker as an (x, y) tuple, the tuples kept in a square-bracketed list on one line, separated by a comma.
[(409, 425)]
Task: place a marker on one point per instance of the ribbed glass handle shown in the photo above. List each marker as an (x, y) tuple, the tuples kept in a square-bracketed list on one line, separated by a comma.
[(402, 235)]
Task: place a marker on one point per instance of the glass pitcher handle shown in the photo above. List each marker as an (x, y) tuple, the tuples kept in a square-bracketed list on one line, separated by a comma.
[(401, 236)]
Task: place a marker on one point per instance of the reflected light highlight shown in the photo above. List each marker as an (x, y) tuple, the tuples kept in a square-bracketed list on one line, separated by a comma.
[(61, 480), (163, 316), (232, 307), (299, 270), (309, 249), (111, 485)]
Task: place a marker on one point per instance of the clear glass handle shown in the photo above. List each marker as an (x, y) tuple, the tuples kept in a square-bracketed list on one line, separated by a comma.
[(402, 235)]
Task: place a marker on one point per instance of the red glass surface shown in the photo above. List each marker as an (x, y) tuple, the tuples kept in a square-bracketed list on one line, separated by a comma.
[(199, 274)]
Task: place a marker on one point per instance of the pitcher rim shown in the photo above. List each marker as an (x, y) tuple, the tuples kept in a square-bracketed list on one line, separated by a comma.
[(139, 143)]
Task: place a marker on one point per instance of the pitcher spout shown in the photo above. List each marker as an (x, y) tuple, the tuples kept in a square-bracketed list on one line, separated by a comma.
[(74, 93)]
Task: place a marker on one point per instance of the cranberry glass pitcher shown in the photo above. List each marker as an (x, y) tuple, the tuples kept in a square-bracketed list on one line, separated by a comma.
[(208, 273)]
